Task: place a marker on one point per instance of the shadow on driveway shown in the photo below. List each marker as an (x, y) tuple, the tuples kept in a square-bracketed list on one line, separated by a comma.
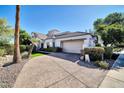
[(75, 58)]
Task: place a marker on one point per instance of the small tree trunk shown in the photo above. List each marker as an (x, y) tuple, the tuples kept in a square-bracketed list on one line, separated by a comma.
[(30, 50), (17, 56)]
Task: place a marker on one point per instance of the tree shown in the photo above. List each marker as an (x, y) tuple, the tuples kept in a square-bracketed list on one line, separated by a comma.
[(6, 33), (116, 33), (32, 44), (110, 28), (17, 56), (114, 18), (24, 37), (97, 23)]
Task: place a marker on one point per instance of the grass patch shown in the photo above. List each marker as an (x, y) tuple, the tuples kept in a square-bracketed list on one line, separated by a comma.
[(36, 55)]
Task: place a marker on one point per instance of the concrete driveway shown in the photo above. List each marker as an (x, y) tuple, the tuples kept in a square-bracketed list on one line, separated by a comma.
[(59, 70), (115, 77)]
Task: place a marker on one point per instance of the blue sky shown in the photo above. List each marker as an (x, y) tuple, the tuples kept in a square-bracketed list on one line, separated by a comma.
[(65, 18)]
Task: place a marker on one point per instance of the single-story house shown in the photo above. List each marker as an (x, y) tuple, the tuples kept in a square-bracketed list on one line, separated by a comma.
[(70, 42)]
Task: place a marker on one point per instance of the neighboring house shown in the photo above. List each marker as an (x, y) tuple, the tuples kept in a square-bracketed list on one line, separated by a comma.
[(40, 37), (70, 42)]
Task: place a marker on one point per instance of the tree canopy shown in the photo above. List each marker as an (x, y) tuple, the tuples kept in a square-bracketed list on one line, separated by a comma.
[(6, 32), (110, 28), (24, 37)]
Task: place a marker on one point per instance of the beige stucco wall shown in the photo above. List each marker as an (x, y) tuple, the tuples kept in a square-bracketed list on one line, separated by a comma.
[(50, 41), (88, 42)]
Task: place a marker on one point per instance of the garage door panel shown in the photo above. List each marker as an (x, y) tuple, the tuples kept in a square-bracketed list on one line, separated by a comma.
[(72, 46)]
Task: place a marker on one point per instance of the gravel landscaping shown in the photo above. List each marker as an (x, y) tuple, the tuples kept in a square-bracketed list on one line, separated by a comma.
[(9, 73)]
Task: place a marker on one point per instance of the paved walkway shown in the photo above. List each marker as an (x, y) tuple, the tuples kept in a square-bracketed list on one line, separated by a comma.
[(50, 71), (115, 77)]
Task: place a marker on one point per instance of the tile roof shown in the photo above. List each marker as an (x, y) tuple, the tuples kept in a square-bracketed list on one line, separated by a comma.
[(39, 35), (70, 34)]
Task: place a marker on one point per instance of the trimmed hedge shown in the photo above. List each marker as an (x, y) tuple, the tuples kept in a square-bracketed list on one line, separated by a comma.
[(95, 53), (51, 49)]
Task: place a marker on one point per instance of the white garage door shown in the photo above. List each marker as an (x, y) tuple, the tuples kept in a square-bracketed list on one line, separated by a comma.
[(73, 46)]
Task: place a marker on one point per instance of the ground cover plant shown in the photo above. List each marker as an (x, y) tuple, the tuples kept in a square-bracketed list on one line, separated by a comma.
[(36, 55)]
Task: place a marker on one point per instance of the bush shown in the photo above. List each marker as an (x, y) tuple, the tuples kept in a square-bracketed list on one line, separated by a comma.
[(9, 49), (102, 64), (120, 45), (51, 49), (117, 49), (98, 45), (95, 53), (22, 48), (58, 49), (2, 52), (108, 52)]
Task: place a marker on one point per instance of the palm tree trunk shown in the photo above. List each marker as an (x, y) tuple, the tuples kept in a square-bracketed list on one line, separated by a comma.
[(17, 56)]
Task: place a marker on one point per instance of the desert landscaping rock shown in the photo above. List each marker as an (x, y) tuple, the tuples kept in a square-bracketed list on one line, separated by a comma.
[(9, 74), (5, 59)]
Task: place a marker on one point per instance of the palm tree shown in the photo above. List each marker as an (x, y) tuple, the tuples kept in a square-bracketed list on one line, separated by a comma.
[(32, 44), (17, 56)]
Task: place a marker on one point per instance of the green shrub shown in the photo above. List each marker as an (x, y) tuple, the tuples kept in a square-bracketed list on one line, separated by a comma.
[(9, 49), (50, 49), (58, 49), (102, 64), (121, 45), (22, 48), (98, 45), (95, 53), (2, 52), (108, 52), (117, 49)]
